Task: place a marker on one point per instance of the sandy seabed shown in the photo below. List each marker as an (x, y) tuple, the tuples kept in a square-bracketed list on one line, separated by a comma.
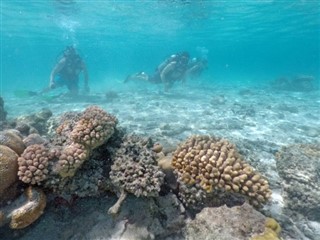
[(258, 120)]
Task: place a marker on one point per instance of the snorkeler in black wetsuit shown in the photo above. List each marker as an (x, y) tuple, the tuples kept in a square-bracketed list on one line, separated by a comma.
[(173, 69), (68, 69)]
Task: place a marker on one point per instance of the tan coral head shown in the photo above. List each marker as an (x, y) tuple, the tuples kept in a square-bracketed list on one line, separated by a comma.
[(26, 209)]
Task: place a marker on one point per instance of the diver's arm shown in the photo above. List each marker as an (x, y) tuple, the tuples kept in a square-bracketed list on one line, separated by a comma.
[(166, 70), (192, 69), (164, 75), (55, 71)]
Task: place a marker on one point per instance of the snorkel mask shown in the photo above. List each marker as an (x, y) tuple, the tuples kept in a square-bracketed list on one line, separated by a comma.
[(69, 51)]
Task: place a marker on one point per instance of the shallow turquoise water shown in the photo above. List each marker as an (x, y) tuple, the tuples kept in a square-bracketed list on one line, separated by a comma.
[(245, 41)]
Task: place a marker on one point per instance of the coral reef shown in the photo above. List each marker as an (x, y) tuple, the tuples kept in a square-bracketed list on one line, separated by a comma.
[(298, 166), (8, 169), (71, 158), (11, 139), (33, 164), (271, 232), (24, 210), (206, 165), (94, 127), (135, 168), (79, 134)]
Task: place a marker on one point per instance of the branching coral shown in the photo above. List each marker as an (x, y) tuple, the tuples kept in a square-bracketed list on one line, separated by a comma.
[(33, 164), (208, 164)]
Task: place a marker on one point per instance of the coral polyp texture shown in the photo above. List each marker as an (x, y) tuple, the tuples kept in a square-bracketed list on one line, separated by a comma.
[(33, 164), (206, 165), (71, 158), (135, 168), (80, 133), (94, 127), (8, 169)]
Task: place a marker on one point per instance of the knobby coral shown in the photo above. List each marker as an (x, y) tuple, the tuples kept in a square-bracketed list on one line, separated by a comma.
[(71, 158), (94, 127), (205, 164), (33, 164), (135, 169)]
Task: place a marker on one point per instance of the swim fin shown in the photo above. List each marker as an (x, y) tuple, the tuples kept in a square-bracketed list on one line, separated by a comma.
[(25, 93)]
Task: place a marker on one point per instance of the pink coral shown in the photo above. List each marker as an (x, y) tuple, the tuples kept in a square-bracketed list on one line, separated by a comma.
[(94, 127), (33, 164), (71, 159)]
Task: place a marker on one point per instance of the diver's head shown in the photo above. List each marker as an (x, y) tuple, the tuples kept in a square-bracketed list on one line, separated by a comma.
[(184, 57), (69, 51)]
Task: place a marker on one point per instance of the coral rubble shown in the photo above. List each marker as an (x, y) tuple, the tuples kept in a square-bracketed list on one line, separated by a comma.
[(298, 166)]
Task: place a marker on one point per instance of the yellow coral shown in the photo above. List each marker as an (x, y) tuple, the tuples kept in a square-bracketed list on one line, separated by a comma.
[(271, 232), (216, 164), (33, 203), (71, 159)]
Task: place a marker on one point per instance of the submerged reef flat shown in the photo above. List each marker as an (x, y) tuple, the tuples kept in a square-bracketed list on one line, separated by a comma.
[(149, 165)]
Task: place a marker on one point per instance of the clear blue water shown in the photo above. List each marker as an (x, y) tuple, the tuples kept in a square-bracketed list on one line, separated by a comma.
[(247, 43), (251, 42)]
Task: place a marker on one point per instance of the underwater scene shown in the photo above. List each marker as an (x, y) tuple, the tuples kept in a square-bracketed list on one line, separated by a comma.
[(160, 119)]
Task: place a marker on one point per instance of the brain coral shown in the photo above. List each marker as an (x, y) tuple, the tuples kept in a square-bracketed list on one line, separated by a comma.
[(94, 127), (135, 168), (12, 140), (205, 164), (33, 164), (8, 168)]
